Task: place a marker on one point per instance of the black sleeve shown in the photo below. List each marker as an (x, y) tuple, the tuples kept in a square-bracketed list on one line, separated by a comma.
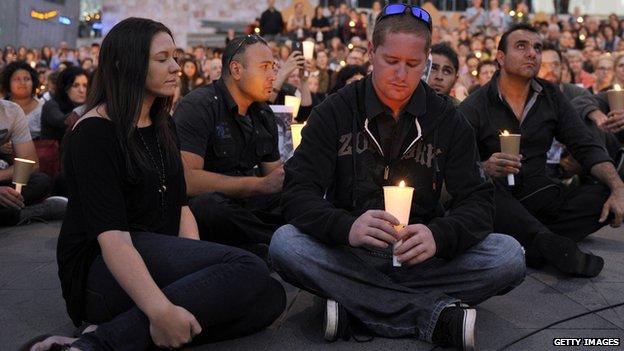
[(272, 127), (97, 166), (471, 216), (52, 115), (308, 175), (578, 137), (194, 123), (472, 115)]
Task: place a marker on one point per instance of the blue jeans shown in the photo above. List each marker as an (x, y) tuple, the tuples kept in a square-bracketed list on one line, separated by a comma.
[(228, 290), (403, 301)]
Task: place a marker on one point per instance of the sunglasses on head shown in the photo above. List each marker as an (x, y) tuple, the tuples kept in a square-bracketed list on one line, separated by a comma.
[(399, 9), (247, 40)]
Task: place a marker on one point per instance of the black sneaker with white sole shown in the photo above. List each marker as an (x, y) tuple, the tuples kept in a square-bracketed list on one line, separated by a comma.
[(456, 327), (335, 322)]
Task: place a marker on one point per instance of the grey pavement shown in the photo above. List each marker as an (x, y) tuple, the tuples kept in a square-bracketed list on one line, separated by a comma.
[(31, 304)]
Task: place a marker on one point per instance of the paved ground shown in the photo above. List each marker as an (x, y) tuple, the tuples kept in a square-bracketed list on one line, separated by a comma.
[(31, 303)]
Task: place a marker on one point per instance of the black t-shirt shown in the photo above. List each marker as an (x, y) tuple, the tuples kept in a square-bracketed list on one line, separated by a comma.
[(103, 196), (320, 22), (209, 125)]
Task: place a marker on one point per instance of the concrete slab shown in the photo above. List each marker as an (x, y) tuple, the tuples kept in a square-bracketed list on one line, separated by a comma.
[(31, 303)]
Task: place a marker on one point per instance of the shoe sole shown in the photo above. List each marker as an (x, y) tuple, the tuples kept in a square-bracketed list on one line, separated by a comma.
[(470, 317), (331, 321)]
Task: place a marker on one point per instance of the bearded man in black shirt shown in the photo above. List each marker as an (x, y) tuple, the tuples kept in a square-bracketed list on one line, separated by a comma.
[(545, 216)]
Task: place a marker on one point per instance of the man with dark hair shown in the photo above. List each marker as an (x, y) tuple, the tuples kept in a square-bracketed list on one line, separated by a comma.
[(551, 70), (383, 129), (228, 140), (444, 70), (546, 217), (271, 22)]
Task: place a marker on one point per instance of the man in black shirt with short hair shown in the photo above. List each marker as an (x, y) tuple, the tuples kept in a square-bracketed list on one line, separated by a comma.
[(545, 216), (271, 22), (228, 139)]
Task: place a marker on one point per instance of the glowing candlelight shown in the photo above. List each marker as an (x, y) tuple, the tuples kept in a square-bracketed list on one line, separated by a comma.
[(22, 168), (294, 102), (308, 50), (295, 131), (398, 202), (510, 144)]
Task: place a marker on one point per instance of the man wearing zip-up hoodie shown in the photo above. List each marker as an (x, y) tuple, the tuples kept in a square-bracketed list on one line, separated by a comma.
[(389, 127)]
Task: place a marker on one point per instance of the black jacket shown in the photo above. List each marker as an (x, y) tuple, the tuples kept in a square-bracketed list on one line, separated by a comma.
[(326, 188), (549, 115)]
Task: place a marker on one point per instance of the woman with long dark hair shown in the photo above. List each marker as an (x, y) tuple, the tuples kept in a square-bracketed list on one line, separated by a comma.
[(129, 258), (71, 92), (190, 77)]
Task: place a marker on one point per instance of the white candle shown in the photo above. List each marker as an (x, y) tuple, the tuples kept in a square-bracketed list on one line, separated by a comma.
[(294, 101), (510, 144), (398, 202), (308, 50), (295, 130)]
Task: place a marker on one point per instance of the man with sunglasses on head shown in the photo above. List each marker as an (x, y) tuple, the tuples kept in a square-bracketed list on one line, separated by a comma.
[(391, 126), (547, 217), (228, 141)]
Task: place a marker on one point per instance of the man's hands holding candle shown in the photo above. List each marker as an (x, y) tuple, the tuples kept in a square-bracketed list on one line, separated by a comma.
[(376, 228), (418, 245), (500, 164)]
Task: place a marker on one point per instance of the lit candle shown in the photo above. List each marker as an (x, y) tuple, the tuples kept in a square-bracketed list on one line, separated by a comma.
[(616, 98), (294, 102), (510, 144), (398, 202), (22, 168), (308, 50), (295, 130)]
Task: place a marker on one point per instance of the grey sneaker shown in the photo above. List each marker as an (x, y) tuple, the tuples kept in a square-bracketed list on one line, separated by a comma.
[(50, 209)]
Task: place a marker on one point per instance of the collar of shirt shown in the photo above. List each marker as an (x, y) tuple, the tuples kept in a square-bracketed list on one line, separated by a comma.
[(374, 106), (231, 105), (534, 91)]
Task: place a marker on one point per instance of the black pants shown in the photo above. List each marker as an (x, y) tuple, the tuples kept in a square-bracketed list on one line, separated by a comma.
[(568, 212), (237, 222), (36, 190), (228, 290)]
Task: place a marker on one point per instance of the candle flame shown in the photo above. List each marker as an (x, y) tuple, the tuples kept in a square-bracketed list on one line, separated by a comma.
[(402, 184), (617, 87), (505, 133)]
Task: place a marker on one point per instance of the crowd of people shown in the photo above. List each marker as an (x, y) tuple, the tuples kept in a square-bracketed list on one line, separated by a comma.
[(180, 201)]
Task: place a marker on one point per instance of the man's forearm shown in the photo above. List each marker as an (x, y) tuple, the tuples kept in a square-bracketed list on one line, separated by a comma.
[(200, 181), (606, 173), (6, 174)]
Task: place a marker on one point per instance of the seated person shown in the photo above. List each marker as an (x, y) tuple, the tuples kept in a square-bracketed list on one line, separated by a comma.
[(444, 68), (551, 70), (546, 217), (595, 109), (375, 132), (15, 141), (71, 92), (229, 147), (131, 264)]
